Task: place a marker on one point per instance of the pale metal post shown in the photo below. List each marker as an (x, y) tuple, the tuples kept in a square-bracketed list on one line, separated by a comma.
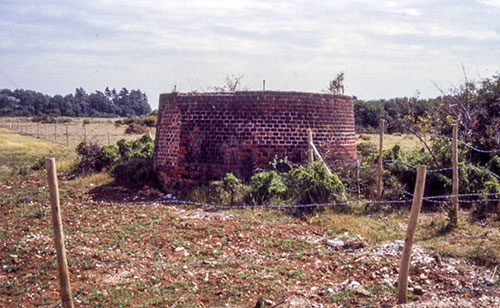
[(310, 153)]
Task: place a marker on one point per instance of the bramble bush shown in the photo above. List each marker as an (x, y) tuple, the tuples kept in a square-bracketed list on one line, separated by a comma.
[(92, 158), (134, 165), (130, 162), (302, 185)]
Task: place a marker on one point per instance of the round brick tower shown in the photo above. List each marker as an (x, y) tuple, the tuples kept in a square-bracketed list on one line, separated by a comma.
[(202, 136)]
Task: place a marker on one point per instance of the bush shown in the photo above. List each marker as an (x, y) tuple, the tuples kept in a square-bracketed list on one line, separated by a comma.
[(135, 162), (39, 164), (135, 172), (150, 121), (266, 186), (134, 128), (228, 191), (314, 184), (92, 159)]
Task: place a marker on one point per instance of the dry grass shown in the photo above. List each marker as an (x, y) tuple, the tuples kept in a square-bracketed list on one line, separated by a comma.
[(97, 131), (96, 179), (23, 151), (407, 142)]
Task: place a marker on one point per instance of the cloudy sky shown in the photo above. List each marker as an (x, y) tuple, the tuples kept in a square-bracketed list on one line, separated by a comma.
[(385, 48)]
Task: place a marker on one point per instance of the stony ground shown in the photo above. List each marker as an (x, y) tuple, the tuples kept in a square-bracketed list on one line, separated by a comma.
[(155, 255)]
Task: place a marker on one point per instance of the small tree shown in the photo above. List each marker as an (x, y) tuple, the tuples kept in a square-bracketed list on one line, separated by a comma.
[(231, 83), (336, 86)]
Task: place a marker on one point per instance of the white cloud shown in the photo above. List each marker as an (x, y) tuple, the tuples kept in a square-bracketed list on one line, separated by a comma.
[(295, 45)]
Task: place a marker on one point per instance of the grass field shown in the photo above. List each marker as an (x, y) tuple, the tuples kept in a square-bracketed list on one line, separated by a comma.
[(97, 131), (152, 255), (407, 142)]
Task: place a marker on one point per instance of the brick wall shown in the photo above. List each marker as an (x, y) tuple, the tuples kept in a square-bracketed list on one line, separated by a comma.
[(201, 137)]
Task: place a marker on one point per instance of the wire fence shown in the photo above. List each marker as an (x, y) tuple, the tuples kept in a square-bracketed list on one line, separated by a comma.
[(71, 134), (487, 197)]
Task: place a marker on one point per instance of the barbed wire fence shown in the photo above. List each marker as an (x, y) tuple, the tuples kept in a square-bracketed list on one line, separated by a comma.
[(67, 134), (237, 262)]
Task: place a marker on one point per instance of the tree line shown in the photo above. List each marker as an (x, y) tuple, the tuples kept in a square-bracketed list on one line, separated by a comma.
[(474, 106), (110, 103)]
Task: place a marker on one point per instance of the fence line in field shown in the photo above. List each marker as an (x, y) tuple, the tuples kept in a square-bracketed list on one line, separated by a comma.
[(43, 131), (245, 259)]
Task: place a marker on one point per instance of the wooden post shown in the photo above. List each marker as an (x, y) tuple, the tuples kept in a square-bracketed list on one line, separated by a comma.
[(55, 130), (85, 133), (410, 235), (109, 139), (380, 161), (62, 264), (38, 129), (310, 153), (46, 134), (358, 171), (316, 152), (67, 136), (454, 157)]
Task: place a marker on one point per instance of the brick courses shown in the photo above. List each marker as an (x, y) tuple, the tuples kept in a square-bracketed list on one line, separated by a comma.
[(202, 136)]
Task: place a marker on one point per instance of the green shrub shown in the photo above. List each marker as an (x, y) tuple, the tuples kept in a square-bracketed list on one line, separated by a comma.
[(39, 164), (367, 152), (266, 186), (135, 162), (150, 121), (280, 164), (135, 172), (314, 184), (91, 158)]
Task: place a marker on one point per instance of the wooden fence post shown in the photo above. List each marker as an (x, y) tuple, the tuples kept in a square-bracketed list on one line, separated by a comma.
[(85, 133), (358, 171), (310, 153), (109, 139), (55, 130), (67, 136), (380, 161), (62, 264), (410, 235), (453, 213), (46, 135), (38, 129)]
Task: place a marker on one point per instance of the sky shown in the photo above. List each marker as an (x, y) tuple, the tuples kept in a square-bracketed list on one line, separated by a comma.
[(385, 48)]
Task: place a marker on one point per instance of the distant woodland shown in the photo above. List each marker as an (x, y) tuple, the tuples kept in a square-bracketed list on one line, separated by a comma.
[(110, 103)]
